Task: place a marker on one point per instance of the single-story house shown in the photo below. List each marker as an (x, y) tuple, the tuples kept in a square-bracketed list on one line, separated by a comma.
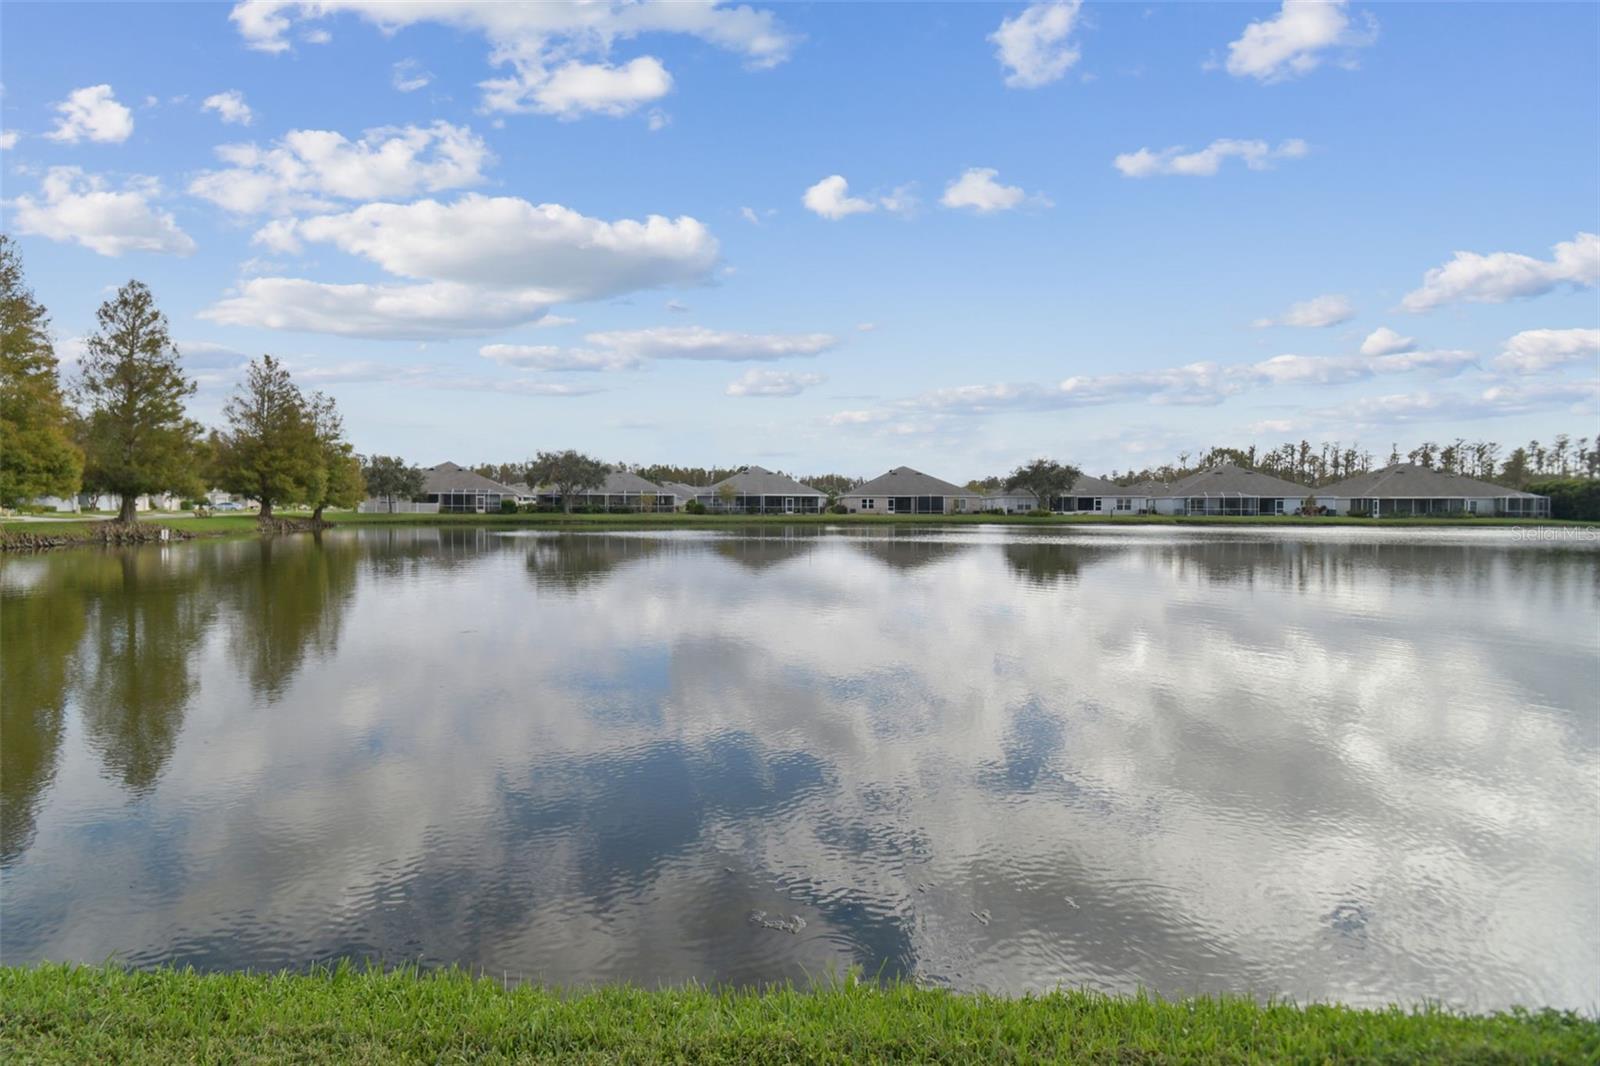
[(622, 490), (681, 492), (1087, 495), (110, 501), (907, 491), (459, 491), (59, 504), (1408, 489), (1230, 489), (755, 490)]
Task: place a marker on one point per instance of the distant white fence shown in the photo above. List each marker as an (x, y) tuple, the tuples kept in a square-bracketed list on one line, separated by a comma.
[(396, 507)]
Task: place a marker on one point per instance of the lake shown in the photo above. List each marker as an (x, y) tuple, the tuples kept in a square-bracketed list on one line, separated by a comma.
[(1346, 764)]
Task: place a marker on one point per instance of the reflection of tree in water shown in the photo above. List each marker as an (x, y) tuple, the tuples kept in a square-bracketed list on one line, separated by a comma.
[(151, 608), (760, 547), (574, 561), (1051, 564), (289, 600), (39, 630)]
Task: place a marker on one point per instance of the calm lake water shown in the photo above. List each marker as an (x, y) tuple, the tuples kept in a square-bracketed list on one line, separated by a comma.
[(1358, 765)]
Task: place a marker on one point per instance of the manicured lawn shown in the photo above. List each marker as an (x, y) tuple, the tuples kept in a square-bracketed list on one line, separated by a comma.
[(95, 1014)]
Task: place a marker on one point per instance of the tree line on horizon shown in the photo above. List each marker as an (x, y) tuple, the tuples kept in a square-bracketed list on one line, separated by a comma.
[(121, 429)]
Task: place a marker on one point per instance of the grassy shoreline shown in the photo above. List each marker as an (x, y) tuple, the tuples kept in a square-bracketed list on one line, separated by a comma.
[(61, 1013), (76, 530)]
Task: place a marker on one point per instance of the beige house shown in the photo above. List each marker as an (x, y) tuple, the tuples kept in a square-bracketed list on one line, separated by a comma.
[(907, 491)]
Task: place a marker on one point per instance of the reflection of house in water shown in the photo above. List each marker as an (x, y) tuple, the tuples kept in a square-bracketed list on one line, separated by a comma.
[(569, 562), (906, 552), (758, 549)]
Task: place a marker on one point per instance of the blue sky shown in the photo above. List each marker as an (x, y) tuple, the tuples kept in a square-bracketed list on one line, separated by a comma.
[(835, 237)]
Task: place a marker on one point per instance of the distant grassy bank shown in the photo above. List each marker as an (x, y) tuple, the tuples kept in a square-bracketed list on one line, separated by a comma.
[(73, 530), (97, 1014)]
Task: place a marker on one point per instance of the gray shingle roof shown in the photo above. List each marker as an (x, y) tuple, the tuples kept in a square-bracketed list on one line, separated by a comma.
[(1230, 480), (1407, 480), (1088, 485), (625, 481), (904, 481), (758, 481), (448, 477), (683, 492)]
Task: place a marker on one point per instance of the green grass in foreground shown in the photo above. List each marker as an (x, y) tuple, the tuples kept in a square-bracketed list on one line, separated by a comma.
[(96, 1014)]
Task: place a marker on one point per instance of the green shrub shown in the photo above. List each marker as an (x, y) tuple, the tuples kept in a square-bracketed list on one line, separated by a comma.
[(1038, 512), (1570, 497), (508, 506), (694, 507)]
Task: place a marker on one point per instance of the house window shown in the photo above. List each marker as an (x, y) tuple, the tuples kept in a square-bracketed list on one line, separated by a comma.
[(1124, 503)]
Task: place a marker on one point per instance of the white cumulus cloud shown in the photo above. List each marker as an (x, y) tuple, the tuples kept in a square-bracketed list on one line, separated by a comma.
[(831, 199), (310, 169), (1294, 41), (92, 113), (1256, 154), (406, 312), (230, 107), (1036, 47), (1500, 277), (1385, 341), (558, 53), (479, 264), (1534, 351), (1316, 313), (575, 89), (84, 209), (772, 383), (979, 189)]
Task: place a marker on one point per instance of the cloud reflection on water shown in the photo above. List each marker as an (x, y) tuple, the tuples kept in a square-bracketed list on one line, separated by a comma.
[(1355, 766)]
